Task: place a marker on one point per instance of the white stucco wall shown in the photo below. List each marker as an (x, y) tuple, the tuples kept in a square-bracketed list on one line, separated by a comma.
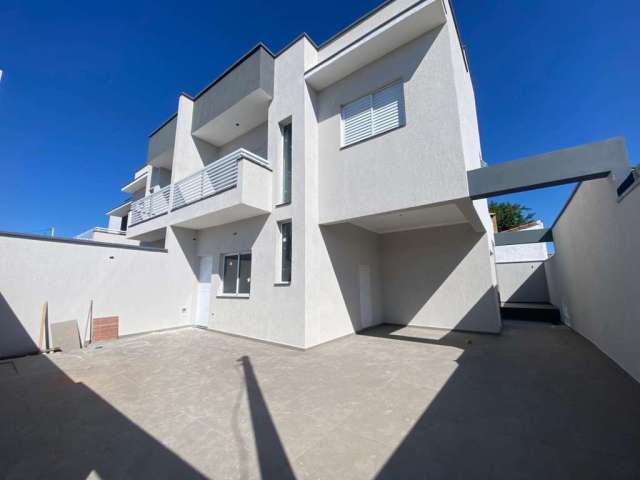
[(273, 313), (254, 140), (114, 222), (526, 252), (147, 290), (523, 282), (190, 154), (439, 277), (593, 274), (345, 283), (113, 238), (159, 177), (163, 140)]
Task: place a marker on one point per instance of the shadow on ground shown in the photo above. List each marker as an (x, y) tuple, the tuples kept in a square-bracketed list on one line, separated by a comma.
[(53, 427), (537, 402)]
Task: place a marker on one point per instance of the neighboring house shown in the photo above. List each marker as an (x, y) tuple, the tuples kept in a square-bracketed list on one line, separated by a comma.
[(526, 252), (323, 190), (107, 235), (146, 181)]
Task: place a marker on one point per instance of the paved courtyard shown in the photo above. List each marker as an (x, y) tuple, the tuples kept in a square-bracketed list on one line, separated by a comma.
[(537, 401)]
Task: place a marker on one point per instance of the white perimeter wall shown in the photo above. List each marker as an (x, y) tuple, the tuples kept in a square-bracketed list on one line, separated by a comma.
[(145, 289), (593, 275), (522, 282)]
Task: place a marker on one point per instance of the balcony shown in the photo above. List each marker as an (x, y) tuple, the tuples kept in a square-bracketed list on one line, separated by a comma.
[(150, 206), (235, 187)]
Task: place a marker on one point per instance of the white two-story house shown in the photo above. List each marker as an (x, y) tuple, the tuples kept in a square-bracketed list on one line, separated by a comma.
[(323, 189)]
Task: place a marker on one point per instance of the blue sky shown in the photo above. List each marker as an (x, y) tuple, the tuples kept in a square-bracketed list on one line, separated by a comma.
[(86, 82)]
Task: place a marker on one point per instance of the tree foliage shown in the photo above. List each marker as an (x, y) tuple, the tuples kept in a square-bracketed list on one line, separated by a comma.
[(510, 215)]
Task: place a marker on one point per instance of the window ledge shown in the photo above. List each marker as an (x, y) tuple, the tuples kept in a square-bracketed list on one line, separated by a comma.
[(281, 284), (232, 295), (283, 204)]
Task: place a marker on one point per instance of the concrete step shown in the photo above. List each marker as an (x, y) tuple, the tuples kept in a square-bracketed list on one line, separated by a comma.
[(536, 312)]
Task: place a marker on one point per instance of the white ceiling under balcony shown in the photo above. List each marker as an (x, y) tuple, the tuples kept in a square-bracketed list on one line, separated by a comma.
[(401, 29), (411, 219), (137, 184), (120, 210), (242, 117)]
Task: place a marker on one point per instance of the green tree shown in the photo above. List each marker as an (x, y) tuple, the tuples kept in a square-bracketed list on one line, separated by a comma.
[(510, 215)]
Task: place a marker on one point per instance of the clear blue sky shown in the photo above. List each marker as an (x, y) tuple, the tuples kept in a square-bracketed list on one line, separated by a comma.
[(85, 83)]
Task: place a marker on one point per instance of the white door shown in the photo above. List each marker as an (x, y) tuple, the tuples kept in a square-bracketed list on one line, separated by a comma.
[(366, 309), (204, 291)]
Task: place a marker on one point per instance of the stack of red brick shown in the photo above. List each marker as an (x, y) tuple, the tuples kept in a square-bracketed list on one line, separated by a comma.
[(105, 328)]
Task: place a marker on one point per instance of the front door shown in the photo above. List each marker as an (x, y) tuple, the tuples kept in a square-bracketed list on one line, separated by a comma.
[(204, 292)]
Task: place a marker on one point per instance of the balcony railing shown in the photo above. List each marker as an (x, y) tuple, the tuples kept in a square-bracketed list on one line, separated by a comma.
[(215, 178), (150, 206)]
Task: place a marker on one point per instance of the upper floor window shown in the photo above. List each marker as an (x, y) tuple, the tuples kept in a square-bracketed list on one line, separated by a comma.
[(286, 162), (373, 114)]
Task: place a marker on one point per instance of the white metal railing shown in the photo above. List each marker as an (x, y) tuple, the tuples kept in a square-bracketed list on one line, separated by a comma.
[(216, 177), (150, 206)]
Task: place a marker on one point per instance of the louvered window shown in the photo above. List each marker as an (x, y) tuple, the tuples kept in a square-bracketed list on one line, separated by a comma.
[(372, 114)]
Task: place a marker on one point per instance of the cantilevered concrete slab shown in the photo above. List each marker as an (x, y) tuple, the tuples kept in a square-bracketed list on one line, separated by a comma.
[(161, 143), (397, 31), (237, 101), (586, 162)]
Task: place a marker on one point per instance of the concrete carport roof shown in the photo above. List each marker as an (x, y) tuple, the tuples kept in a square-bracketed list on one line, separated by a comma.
[(570, 165)]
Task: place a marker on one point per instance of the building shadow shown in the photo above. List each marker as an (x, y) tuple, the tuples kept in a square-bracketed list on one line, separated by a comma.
[(54, 427), (271, 454)]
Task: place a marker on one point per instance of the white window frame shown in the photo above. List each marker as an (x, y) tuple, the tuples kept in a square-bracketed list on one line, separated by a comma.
[(288, 122), (372, 134), (280, 252), (221, 292)]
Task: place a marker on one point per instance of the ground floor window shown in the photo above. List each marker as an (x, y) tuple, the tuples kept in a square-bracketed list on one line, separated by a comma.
[(285, 251), (236, 277)]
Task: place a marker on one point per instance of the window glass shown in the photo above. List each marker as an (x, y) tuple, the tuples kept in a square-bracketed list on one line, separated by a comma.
[(285, 231), (244, 282), (230, 274), (286, 163)]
